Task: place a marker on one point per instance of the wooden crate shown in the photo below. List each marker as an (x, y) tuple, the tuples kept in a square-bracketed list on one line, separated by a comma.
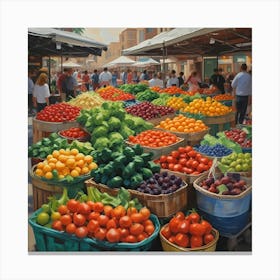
[(163, 205), (43, 129), (158, 152)]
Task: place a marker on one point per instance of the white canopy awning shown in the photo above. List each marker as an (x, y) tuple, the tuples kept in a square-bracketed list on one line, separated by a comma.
[(120, 61), (145, 62), (70, 64)]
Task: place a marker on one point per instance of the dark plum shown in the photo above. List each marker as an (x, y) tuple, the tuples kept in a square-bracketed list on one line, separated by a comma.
[(164, 186), (172, 177), (166, 180), (160, 181), (178, 181), (209, 181), (164, 174)]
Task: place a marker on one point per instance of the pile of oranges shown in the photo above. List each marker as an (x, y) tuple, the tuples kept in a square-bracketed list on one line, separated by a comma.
[(65, 162), (156, 88), (176, 103), (183, 124), (210, 107), (226, 96), (172, 90)]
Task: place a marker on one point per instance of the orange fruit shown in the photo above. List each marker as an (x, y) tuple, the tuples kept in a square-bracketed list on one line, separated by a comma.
[(92, 165), (70, 162), (47, 168), (74, 173), (40, 165), (85, 170), (62, 158), (52, 160), (55, 153), (79, 156), (59, 165), (48, 175), (39, 172), (79, 169), (88, 159), (80, 163), (74, 152)]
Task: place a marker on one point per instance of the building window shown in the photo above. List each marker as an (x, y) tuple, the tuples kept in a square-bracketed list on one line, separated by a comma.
[(148, 30)]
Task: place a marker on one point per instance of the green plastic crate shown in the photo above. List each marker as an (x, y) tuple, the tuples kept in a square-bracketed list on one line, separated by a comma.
[(48, 239)]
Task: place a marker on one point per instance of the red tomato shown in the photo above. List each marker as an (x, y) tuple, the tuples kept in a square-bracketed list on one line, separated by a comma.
[(57, 225), (100, 233), (170, 159), (79, 219), (207, 226), (180, 215), (174, 224), (136, 229), (183, 226), (103, 220), (183, 161), (83, 208), (194, 164), (196, 241), (113, 235), (194, 217), (177, 168), (204, 160), (175, 154), (197, 229), (93, 216), (149, 229), (92, 226), (125, 221), (98, 207), (192, 154), (182, 240), (181, 150), (163, 159), (124, 232), (66, 219), (142, 236), (131, 239), (208, 238), (171, 166), (166, 232), (188, 149), (202, 167), (71, 228), (81, 232)]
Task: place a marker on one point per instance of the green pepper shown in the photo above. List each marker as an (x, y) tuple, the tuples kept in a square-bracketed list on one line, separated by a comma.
[(147, 173), (108, 169), (111, 200), (53, 136), (129, 170), (155, 168), (106, 154), (138, 162), (104, 179), (128, 152), (136, 180), (147, 157), (115, 182), (138, 149), (46, 141)]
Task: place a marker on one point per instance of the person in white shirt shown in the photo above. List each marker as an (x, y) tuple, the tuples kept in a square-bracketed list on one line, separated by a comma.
[(156, 81), (173, 80), (41, 92), (242, 90), (105, 78)]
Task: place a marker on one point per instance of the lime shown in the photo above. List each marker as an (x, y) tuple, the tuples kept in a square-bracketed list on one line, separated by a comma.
[(224, 161), (233, 155), (231, 169), (239, 161), (43, 218), (245, 167), (238, 167), (233, 164), (240, 156), (248, 155)]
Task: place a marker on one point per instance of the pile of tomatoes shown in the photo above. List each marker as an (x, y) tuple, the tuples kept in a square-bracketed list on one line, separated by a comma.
[(74, 132), (185, 160), (154, 138), (103, 222), (188, 231), (59, 112), (114, 94)]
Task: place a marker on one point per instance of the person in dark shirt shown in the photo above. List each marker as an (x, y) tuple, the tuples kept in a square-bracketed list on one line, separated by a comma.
[(181, 78), (218, 80)]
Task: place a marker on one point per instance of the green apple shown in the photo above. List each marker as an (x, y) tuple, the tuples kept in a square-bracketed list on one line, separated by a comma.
[(245, 167), (238, 167)]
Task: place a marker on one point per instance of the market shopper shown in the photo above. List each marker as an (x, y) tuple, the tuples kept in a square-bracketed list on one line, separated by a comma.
[(41, 92), (156, 81), (242, 90), (135, 77), (129, 76), (218, 80), (69, 85), (181, 78), (173, 80), (105, 78), (193, 81), (144, 76), (114, 78), (86, 79), (30, 92), (95, 80)]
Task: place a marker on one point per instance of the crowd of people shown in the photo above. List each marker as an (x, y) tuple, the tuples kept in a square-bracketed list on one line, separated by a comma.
[(66, 84)]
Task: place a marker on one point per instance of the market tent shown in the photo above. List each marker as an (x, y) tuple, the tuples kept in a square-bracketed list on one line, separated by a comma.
[(195, 41), (120, 61), (55, 42), (70, 64), (145, 62)]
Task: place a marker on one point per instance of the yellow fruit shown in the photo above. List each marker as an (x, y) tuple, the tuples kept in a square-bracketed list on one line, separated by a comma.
[(67, 152), (74, 173), (59, 165), (47, 168), (79, 169), (62, 158), (48, 175), (85, 170), (79, 156), (49, 157), (92, 166), (53, 160), (71, 163), (88, 159), (55, 153), (60, 176), (39, 172), (52, 165), (65, 171), (80, 163), (62, 151), (40, 165), (74, 152)]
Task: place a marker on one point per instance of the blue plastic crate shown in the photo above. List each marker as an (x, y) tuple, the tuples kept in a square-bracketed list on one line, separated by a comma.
[(48, 239)]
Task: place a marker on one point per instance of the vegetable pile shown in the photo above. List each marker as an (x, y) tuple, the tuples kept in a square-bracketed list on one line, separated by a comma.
[(65, 164), (147, 95), (189, 231), (182, 124), (114, 94), (161, 183), (161, 100), (60, 112), (172, 90), (217, 150), (89, 217), (185, 160), (134, 89), (87, 100), (74, 132), (210, 107), (109, 125), (239, 136), (231, 184), (154, 138), (221, 97), (176, 103), (241, 162), (127, 168), (148, 111)]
